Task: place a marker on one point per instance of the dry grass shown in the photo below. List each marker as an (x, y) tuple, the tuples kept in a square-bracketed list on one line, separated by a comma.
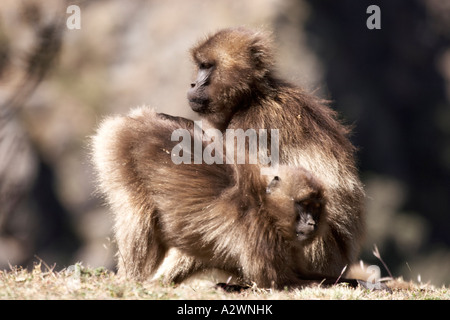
[(78, 282)]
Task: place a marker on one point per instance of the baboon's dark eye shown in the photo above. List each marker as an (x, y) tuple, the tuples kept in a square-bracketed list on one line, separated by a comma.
[(205, 65)]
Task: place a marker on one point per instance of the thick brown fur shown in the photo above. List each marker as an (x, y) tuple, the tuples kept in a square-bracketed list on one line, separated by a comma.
[(237, 88), (214, 215)]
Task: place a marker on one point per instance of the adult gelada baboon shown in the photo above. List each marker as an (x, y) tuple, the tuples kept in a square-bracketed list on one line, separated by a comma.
[(240, 221), (236, 87)]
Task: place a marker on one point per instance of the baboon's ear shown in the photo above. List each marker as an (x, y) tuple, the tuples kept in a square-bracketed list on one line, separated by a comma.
[(261, 49), (273, 184)]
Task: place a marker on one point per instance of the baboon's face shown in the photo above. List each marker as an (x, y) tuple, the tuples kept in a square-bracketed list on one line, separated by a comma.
[(308, 214), (228, 65), (199, 94), (301, 198)]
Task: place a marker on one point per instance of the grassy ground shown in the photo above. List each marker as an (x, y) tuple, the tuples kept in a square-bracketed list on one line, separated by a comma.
[(78, 282)]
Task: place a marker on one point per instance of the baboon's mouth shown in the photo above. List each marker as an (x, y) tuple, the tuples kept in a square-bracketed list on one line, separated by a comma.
[(199, 105)]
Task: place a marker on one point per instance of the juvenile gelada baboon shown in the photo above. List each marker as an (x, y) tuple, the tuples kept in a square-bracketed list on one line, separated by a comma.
[(240, 221), (236, 87)]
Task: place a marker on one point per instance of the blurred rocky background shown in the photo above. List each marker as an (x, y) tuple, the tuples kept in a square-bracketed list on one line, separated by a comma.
[(56, 83)]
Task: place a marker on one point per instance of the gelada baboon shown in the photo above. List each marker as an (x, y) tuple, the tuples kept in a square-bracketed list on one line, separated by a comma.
[(240, 221), (236, 87)]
